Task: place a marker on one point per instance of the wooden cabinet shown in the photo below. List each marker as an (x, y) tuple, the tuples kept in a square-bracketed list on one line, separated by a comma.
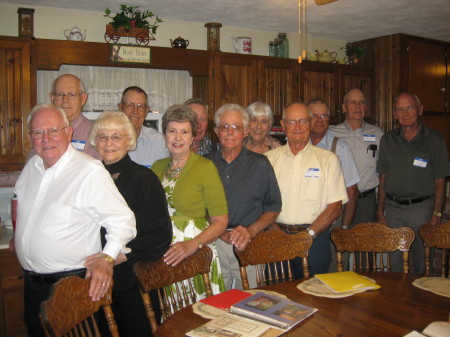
[(409, 63), (427, 73), (244, 79), (15, 102), (11, 296), (330, 82)]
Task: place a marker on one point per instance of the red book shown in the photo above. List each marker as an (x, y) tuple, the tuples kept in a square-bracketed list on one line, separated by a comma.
[(226, 299)]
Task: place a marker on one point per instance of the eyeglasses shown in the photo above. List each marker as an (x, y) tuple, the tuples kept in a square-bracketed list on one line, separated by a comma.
[(357, 102), (71, 96), (115, 137), (294, 122), (407, 109), (138, 106), (231, 127), (52, 133), (322, 117)]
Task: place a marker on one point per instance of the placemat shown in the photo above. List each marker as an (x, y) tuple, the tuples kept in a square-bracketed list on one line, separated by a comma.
[(437, 285), (210, 312), (315, 287)]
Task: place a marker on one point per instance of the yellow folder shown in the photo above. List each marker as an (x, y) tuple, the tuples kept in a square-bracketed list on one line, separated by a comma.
[(346, 281)]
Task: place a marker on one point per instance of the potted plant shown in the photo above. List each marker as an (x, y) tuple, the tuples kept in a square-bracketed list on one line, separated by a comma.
[(131, 21), (354, 52)]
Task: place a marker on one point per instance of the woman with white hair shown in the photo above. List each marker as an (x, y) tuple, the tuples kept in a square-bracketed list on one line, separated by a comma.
[(261, 122), (113, 136)]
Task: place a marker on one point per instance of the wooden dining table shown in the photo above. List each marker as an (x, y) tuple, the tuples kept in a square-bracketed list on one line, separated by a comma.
[(395, 309)]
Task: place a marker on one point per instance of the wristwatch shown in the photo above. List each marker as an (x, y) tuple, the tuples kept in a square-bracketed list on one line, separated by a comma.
[(108, 258), (311, 232), (200, 245)]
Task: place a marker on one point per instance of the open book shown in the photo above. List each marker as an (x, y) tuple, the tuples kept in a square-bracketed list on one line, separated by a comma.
[(257, 315), (346, 281)]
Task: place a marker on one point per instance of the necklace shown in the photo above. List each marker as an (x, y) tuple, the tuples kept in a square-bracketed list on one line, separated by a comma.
[(170, 173)]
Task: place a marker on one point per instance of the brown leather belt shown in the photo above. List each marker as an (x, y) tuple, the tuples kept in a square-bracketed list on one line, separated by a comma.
[(292, 228)]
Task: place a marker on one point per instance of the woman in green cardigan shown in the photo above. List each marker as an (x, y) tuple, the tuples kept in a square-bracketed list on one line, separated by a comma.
[(195, 194)]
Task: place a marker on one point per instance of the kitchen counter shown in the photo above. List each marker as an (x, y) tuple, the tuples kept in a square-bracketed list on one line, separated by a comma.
[(5, 237)]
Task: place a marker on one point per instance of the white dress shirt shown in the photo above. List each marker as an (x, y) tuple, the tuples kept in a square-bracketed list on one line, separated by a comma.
[(61, 210)]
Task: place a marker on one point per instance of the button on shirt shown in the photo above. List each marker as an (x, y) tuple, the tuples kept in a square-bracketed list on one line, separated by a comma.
[(150, 147), (344, 154), (308, 182), (359, 142), (61, 210)]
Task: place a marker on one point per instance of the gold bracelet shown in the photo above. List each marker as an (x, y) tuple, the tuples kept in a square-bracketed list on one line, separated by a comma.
[(438, 214), (108, 258)]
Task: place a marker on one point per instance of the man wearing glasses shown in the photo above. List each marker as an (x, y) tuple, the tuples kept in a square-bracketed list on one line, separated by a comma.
[(324, 138), (312, 188), (69, 92), (253, 196), (364, 141), (64, 197), (413, 165), (150, 144)]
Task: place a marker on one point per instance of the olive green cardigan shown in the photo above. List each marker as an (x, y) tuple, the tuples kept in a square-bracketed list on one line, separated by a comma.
[(199, 190)]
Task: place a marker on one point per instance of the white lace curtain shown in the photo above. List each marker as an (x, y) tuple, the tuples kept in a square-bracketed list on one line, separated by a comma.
[(106, 84)]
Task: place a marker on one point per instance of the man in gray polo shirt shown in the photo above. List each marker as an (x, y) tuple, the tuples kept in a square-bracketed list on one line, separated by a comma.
[(413, 165), (364, 141), (253, 196)]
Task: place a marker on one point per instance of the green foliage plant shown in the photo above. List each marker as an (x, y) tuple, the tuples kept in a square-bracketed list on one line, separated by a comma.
[(131, 16)]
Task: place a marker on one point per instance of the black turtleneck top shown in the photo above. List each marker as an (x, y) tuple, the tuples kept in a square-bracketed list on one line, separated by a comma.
[(145, 196)]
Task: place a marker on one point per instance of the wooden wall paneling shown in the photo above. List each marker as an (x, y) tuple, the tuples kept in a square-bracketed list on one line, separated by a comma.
[(428, 74), (200, 87), (15, 102), (441, 124)]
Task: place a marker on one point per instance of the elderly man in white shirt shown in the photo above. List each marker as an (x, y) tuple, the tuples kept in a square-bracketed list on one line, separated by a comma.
[(64, 197)]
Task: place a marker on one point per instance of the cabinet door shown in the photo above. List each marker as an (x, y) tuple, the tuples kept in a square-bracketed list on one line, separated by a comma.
[(235, 80), (278, 83), (320, 80), (427, 74), (15, 102)]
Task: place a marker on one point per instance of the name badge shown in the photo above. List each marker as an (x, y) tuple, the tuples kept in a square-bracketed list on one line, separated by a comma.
[(79, 144), (419, 162), (313, 173), (369, 138)]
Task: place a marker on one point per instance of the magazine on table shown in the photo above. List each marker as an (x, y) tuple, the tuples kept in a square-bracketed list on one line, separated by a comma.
[(346, 281), (258, 315)]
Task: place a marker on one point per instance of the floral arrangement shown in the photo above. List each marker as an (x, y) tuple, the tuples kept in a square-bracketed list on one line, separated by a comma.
[(131, 16)]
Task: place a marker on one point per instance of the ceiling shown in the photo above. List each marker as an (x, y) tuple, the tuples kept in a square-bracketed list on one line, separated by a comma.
[(346, 20)]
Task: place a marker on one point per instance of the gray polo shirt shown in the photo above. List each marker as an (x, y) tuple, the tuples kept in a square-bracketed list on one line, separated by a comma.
[(411, 167), (361, 142), (250, 186)]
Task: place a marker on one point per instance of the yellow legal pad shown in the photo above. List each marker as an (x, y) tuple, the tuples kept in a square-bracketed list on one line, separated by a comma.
[(346, 281)]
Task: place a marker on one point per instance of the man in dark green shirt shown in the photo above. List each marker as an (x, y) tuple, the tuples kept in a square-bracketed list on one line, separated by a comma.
[(413, 163)]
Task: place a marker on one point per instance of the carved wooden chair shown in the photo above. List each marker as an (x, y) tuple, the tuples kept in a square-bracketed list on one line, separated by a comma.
[(270, 252), (69, 310), (175, 285), (436, 236), (371, 243)]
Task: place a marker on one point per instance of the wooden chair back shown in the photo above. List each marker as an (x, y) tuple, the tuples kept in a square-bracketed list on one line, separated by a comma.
[(371, 243), (175, 285), (436, 236), (270, 252), (69, 310)]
